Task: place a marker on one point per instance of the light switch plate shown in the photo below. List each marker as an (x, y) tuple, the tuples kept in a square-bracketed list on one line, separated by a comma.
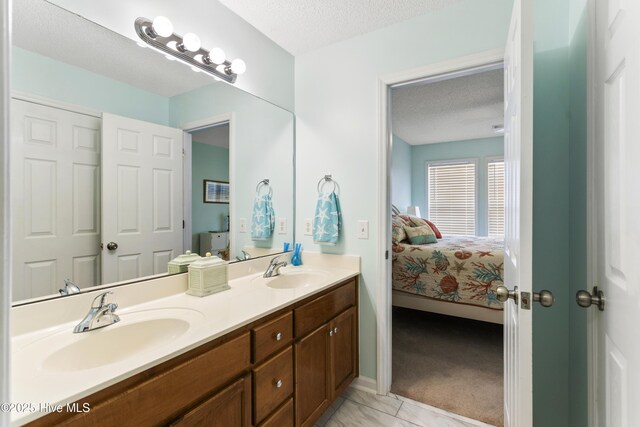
[(363, 229), (242, 225), (282, 225), (308, 227)]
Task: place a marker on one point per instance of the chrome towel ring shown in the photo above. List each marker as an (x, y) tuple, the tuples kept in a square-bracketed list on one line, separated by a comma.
[(326, 179), (261, 185)]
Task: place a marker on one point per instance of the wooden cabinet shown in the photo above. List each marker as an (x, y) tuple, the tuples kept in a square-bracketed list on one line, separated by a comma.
[(279, 371), (326, 359), (228, 408)]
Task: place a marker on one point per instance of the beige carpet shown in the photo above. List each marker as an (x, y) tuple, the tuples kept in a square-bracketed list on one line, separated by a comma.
[(448, 362)]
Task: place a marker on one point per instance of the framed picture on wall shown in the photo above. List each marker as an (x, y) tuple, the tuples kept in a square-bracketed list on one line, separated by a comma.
[(216, 191)]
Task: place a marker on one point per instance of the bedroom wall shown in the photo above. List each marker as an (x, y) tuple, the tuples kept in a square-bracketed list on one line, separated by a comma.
[(74, 85), (208, 162), (337, 123), (401, 174), (480, 149)]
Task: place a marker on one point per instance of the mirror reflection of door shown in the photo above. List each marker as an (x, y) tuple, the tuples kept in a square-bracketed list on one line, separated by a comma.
[(210, 179)]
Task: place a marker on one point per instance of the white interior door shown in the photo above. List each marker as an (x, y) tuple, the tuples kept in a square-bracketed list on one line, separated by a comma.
[(55, 199), (617, 155), (142, 196), (518, 136)]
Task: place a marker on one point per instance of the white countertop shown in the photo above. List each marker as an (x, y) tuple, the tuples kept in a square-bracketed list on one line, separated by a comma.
[(215, 315)]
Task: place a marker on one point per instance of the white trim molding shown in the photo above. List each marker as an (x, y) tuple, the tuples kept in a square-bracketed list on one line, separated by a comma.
[(458, 66), (5, 230), (365, 384)]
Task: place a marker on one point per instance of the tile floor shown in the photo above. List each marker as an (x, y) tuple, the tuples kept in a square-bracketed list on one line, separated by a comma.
[(356, 408)]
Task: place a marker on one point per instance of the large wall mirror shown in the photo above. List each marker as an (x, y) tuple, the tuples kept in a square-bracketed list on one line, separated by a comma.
[(122, 160)]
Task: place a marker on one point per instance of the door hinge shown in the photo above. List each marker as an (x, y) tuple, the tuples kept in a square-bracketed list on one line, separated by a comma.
[(183, 152), (183, 224), (386, 254)]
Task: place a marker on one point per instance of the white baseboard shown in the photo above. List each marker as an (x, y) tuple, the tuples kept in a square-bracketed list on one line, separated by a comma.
[(366, 384)]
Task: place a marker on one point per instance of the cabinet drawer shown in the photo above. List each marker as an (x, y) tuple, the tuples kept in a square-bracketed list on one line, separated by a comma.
[(272, 336), (272, 384), (309, 316), (283, 417)]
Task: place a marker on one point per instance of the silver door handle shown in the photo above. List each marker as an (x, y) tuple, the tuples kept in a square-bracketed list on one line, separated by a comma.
[(503, 294), (586, 299), (112, 246), (544, 297)]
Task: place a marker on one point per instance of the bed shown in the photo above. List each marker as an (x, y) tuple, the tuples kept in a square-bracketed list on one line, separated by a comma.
[(457, 276)]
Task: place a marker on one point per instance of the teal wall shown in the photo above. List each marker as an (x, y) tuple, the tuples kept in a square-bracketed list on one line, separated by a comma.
[(559, 217), (480, 149), (35, 74), (400, 174), (578, 372), (208, 162)]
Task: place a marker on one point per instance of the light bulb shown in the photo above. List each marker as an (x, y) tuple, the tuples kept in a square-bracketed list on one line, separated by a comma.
[(162, 26), (238, 66), (217, 55), (191, 42), (221, 69)]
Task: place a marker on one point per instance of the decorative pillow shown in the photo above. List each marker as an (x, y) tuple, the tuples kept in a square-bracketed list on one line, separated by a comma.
[(420, 235), (397, 230), (418, 222)]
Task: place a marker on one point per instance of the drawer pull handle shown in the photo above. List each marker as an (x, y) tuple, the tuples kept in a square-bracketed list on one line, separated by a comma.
[(278, 336), (278, 383), (335, 330), (331, 332)]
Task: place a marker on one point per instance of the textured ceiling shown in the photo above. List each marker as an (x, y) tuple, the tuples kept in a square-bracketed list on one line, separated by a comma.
[(49, 30), (449, 110), (215, 135), (301, 26)]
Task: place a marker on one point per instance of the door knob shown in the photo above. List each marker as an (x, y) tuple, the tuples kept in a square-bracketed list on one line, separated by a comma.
[(503, 294), (112, 246), (585, 299), (545, 298)]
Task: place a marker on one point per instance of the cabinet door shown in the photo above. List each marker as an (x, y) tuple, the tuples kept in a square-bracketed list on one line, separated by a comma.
[(230, 407), (312, 391), (343, 351)]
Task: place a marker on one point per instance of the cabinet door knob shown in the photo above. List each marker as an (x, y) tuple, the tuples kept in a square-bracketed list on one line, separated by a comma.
[(335, 330), (278, 336), (331, 332), (278, 383)]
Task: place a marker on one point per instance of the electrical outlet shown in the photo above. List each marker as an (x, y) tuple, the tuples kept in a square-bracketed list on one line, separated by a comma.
[(363, 229), (242, 225), (282, 225), (308, 226)]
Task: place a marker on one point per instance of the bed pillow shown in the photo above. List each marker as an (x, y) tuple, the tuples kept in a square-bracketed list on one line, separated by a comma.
[(420, 235), (417, 222), (397, 230)]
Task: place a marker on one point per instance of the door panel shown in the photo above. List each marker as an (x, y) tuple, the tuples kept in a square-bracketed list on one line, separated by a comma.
[(617, 153), (343, 351), (518, 137), (142, 181), (312, 391), (55, 199)]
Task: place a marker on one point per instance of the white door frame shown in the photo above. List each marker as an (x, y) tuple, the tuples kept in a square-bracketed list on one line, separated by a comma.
[(383, 297), (187, 199)]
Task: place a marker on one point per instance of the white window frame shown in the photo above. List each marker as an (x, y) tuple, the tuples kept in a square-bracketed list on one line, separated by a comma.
[(474, 160), (488, 160)]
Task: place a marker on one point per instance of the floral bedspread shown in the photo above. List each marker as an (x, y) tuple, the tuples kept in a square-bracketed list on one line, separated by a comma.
[(461, 269)]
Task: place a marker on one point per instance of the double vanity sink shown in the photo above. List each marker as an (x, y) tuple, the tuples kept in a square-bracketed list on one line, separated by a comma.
[(57, 366)]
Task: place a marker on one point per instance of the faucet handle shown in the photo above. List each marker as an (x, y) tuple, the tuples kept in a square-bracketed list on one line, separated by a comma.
[(102, 297)]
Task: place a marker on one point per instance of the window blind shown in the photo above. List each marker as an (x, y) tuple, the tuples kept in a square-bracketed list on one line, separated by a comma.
[(495, 175), (451, 194)]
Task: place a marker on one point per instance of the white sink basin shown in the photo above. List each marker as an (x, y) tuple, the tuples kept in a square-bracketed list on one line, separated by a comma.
[(292, 279), (137, 332)]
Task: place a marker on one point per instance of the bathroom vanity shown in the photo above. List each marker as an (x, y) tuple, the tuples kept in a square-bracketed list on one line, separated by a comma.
[(282, 368)]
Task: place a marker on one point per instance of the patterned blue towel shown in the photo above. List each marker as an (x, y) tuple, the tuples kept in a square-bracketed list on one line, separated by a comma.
[(263, 218), (328, 219)]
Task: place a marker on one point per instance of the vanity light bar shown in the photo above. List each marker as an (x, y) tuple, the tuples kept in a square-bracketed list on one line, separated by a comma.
[(159, 35)]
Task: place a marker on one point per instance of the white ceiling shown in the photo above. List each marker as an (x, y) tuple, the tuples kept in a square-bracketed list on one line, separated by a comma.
[(215, 135), (301, 26), (49, 30), (449, 110)]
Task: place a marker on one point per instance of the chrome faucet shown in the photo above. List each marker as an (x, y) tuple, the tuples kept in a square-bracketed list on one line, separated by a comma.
[(245, 256), (274, 267), (99, 316), (69, 288)]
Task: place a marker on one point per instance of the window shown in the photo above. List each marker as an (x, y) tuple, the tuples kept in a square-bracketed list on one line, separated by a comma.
[(495, 177), (451, 196)]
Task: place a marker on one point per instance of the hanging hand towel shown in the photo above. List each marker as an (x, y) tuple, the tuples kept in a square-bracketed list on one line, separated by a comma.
[(263, 218), (328, 219)]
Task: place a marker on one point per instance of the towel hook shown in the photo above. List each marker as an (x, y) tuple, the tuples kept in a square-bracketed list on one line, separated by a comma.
[(263, 183), (324, 180)]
